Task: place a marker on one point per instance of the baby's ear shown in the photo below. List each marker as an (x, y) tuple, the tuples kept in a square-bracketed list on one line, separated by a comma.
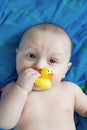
[(69, 65), (16, 50)]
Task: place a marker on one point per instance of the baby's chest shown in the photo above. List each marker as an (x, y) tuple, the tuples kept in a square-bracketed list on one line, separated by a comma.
[(48, 108)]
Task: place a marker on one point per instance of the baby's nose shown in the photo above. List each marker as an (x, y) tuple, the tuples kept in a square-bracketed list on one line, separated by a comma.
[(40, 65)]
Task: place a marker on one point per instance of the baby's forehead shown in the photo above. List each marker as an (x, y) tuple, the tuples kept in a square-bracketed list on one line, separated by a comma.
[(52, 30), (56, 32)]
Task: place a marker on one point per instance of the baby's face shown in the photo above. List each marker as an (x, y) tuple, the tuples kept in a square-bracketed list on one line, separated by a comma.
[(45, 49)]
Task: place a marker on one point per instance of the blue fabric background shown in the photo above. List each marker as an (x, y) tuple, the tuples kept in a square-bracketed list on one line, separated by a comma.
[(16, 16)]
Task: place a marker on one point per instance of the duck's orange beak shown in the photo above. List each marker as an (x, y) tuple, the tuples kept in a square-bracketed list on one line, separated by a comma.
[(50, 75)]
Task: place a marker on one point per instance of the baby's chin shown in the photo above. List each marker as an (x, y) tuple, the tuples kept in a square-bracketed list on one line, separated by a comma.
[(36, 88)]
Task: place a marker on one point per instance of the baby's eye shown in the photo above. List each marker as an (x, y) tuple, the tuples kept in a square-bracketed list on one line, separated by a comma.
[(31, 55), (53, 61)]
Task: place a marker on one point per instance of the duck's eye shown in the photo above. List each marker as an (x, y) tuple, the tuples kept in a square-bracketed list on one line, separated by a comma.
[(48, 70)]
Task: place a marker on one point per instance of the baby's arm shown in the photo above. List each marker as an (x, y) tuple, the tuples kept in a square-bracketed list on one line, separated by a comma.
[(14, 97), (11, 105), (80, 102)]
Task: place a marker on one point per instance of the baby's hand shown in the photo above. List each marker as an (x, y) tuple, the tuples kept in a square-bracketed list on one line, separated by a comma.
[(26, 79)]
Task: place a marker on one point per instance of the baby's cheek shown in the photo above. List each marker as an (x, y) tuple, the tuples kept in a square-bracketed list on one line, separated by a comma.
[(56, 78), (22, 66)]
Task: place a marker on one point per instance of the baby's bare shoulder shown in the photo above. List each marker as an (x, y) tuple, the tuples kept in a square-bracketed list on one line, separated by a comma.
[(71, 86)]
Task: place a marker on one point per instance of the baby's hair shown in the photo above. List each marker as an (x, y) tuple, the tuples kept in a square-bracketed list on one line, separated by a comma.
[(48, 27)]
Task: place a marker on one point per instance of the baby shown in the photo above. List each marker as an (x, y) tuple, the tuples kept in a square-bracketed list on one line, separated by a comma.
[(24, 105)]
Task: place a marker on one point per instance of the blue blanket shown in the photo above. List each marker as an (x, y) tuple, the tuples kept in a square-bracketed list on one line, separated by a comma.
[(16, 16)]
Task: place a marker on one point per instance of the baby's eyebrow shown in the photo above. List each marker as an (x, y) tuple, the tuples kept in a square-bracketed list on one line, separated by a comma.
[(28, 50), (27, 46), (31, 47), (56, 53)]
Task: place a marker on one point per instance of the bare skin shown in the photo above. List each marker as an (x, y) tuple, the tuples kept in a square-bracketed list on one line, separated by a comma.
[(49, 110), (25, 106)]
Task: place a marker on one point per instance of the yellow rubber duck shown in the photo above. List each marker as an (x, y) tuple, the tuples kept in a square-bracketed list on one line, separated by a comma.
[(44, 81)]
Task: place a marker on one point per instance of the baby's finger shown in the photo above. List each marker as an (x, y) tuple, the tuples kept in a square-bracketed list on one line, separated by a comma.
[(32, 72)]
